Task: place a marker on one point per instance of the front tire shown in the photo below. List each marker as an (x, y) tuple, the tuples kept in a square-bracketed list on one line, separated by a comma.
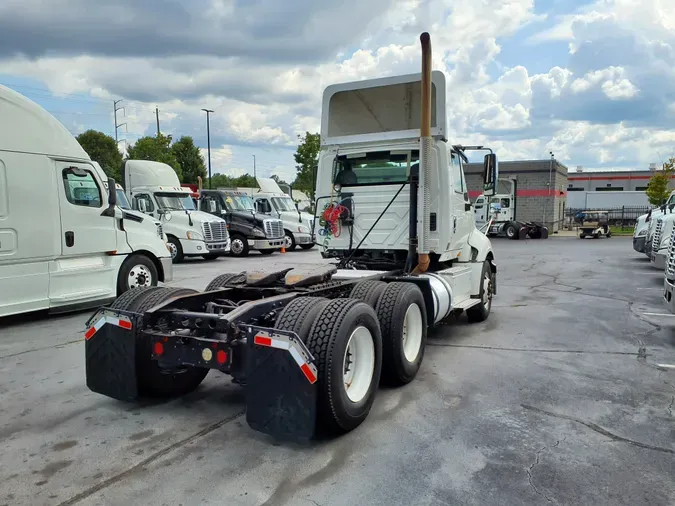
[(346, 341), (211, 256), (137, 271), (307, 246), (267, 251), (481, 311), (289, 241), (176, 249), (238, 245), (403, 321)]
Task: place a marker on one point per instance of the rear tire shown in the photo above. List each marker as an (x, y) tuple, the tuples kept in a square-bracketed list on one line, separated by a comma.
[(368, 291), (481, 311), (347, 382), (226, 279), (511, 231), (299, 315), (153, 380), (403, 321)]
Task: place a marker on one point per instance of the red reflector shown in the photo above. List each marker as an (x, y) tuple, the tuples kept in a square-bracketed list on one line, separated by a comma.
[(221, 357), (262, 340), (308, 373), (159, 348), (90, 332), (125, 324), (214, 345)]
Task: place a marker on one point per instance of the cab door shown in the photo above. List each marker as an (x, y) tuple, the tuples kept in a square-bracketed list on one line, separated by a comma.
[(85, 269), (480, 210)]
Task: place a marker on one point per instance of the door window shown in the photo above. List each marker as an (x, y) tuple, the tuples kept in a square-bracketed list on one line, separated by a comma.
[(457, 178), (81, 187), (479, 203), (263, 206)]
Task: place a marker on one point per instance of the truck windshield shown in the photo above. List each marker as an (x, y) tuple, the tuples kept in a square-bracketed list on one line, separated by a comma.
[(239, 203), (284, 204), (175, 201), (381, 167), (122, 199)]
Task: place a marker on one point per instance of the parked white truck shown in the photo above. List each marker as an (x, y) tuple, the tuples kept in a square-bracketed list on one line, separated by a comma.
[(273, 201), (646, 225), (311, 344), (154, 189), (64, 242)]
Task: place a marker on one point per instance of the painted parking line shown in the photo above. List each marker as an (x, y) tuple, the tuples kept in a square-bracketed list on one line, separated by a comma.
[(670, 315), (666, 366)]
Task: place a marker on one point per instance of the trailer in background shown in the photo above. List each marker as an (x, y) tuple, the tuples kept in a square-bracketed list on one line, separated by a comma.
[(606, 199)]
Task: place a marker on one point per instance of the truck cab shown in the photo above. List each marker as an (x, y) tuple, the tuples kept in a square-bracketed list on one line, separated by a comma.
[(248, 230), (646, 225), (272, 201), (65, 241), (154, 189)]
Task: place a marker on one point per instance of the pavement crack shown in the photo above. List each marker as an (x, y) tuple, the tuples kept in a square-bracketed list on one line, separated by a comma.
[(599, 430), (532, 350), (670, 407), (60, 345), (150, 459), (534, 464)]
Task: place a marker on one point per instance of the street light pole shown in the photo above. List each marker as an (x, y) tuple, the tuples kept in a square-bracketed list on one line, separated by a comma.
[(550, 174), (208, 141), (255, 176)]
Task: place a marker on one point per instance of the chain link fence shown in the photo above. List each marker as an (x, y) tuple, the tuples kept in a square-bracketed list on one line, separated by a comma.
[(623, 217)]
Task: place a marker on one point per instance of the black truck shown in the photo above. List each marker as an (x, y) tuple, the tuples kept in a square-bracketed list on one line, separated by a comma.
[(248, 229)]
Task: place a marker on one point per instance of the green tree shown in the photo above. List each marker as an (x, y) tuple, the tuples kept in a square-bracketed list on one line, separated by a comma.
[(306, 159), (277, 179), (157, 149), (190, 159), (224, 181), (657, 189), (102, 149)]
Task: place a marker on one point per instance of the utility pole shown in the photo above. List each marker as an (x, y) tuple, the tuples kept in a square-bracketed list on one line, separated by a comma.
[(550, 175), (115, 109), (208, 141), (254, 174), (157, 116)]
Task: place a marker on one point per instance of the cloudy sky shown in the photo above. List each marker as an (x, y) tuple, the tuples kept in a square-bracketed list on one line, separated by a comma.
[(593, 82)]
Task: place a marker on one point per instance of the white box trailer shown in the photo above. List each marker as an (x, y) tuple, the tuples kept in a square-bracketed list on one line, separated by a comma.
[(64, 243), (606, 200)]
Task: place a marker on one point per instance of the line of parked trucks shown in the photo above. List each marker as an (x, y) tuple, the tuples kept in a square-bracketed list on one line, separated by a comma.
[(654, 235)]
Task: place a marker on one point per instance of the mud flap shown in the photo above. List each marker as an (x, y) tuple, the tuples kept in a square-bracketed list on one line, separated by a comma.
[(522, 233), (281, 389), (110, 353), (544, 233)]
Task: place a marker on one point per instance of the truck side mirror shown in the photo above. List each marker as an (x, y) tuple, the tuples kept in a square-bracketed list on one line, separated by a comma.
[(212, 206), (490, 174), (141, 205), (112, 198)]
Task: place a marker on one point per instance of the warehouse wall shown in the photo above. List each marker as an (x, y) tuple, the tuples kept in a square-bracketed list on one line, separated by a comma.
[(535, 200)]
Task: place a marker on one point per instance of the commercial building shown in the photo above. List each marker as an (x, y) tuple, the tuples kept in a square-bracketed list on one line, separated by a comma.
[(541, 188)]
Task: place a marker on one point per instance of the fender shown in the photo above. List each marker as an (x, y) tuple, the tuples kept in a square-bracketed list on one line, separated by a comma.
[(480, 245)]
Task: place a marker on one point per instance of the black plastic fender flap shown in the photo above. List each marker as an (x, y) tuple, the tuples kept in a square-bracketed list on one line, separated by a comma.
[(110, 353), (281, 389), (544, 233), (522, 233)]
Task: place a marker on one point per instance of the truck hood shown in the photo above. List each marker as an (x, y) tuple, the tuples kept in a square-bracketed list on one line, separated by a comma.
[(256, 218)]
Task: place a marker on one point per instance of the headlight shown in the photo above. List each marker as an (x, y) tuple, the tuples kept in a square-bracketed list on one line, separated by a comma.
[(195, 236), (257, 232)]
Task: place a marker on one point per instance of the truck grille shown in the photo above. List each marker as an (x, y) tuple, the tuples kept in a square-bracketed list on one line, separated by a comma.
[(656, 240), (214, 231), (274, 229), (670, 258)]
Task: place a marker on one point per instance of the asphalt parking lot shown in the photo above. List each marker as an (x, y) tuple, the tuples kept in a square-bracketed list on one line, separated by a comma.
[(555, 399)]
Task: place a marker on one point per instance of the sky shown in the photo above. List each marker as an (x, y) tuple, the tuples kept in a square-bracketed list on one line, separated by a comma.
[(592, 82)]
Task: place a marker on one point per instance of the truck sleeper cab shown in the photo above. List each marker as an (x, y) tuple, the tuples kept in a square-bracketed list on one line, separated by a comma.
[(154, 189), (298, 226), (248, 230), (65, 243)]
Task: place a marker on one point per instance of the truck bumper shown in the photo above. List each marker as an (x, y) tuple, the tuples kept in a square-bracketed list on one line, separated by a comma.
[(303, 239), (218, 247), (266, 243), (639, 243), (167, 268), (658, 259), (668, 298)]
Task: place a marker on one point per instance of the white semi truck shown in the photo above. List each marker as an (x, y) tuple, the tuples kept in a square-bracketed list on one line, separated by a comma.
[(65, 243), (501, 209), (273, 201), (646, 225), (311, 344), (154, 189)]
